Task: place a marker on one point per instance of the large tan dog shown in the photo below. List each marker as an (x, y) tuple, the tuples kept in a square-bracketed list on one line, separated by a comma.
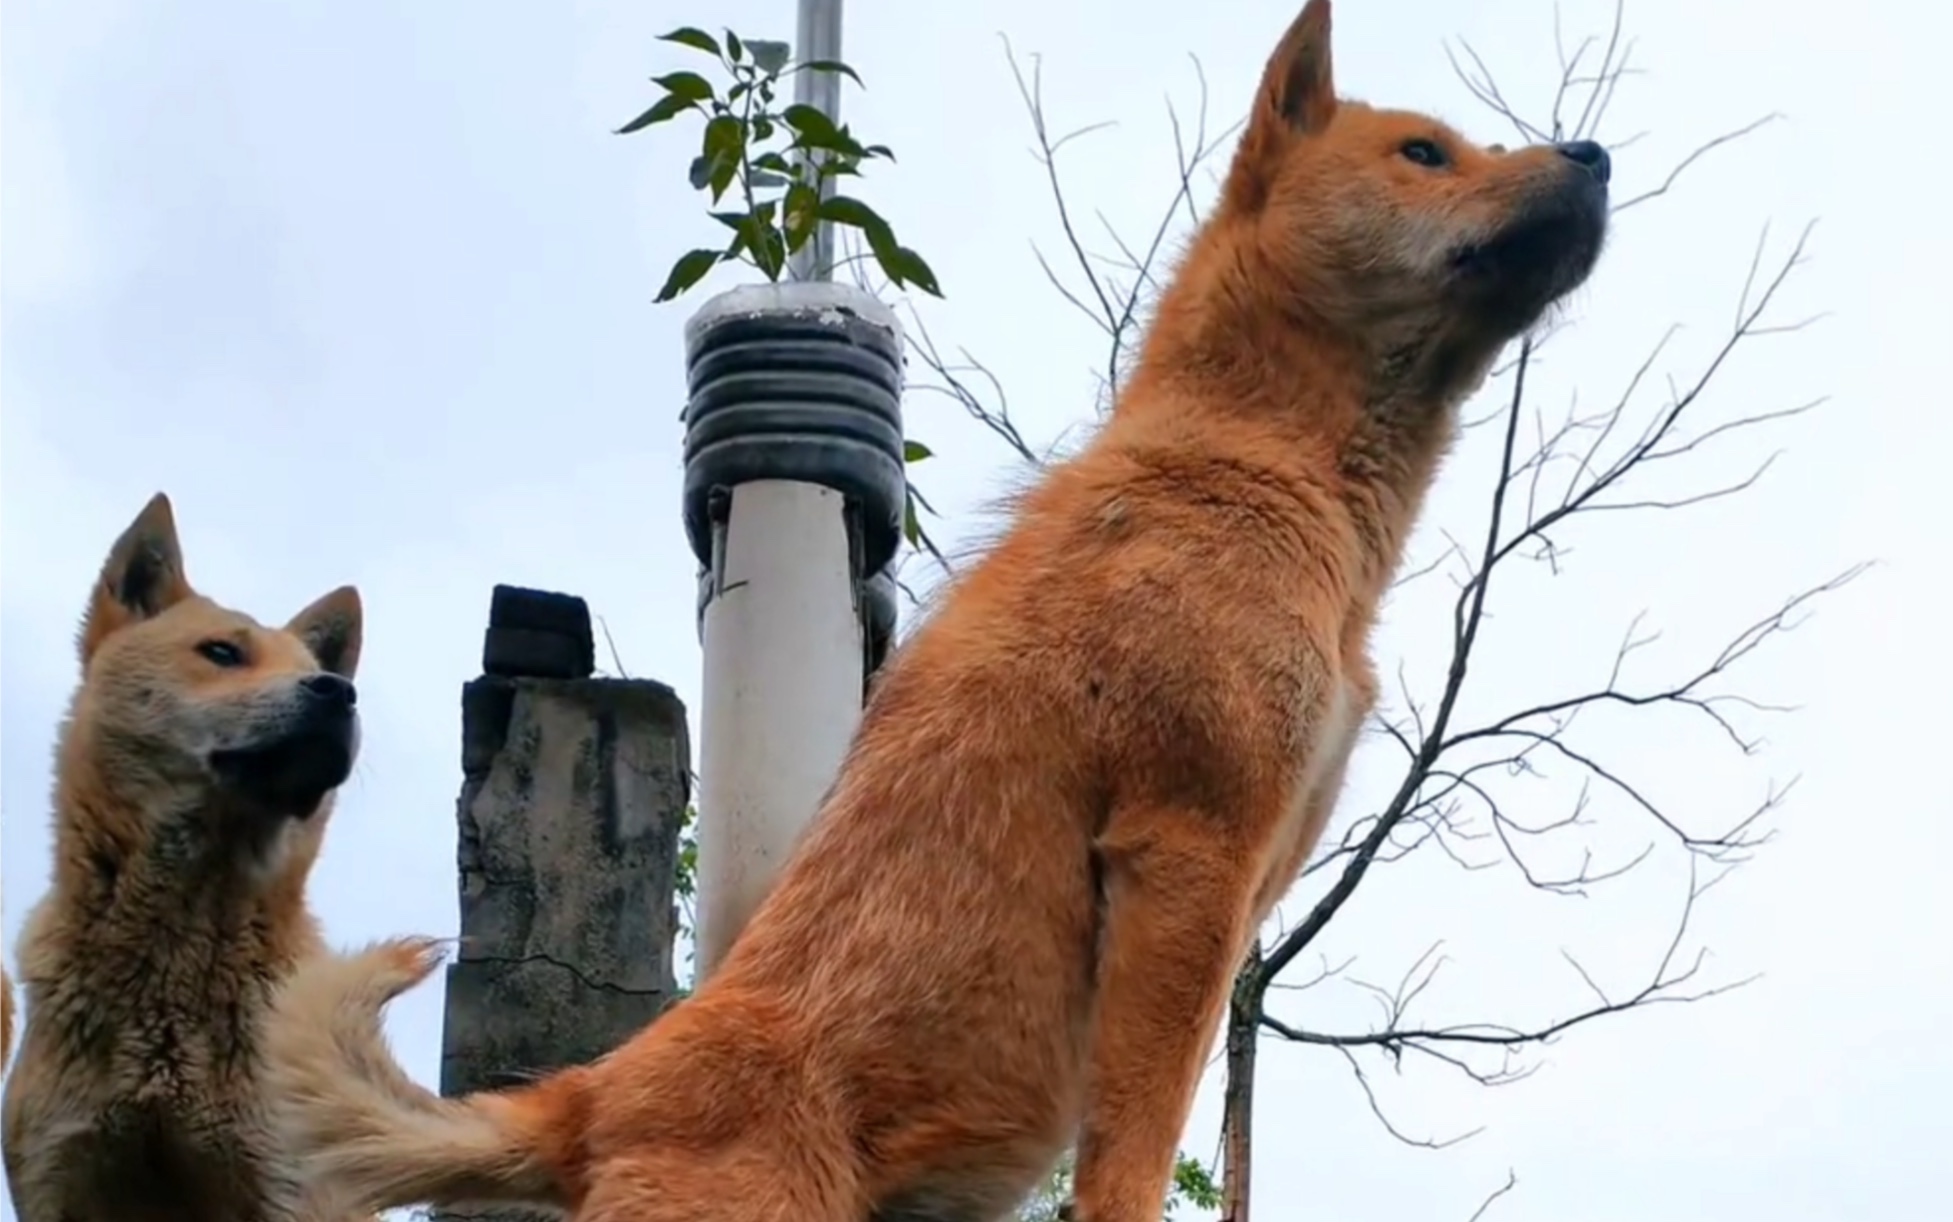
[(1080, 786), (193, 780)]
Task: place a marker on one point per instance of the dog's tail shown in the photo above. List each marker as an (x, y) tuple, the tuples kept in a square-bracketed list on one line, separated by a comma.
[(372, 1136)]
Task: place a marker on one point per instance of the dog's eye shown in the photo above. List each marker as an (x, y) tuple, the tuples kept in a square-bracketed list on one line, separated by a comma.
[(1424, 152), (221, 653)]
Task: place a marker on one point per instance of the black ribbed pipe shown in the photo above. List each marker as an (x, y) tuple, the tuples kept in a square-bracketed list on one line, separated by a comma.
[(811, 394)]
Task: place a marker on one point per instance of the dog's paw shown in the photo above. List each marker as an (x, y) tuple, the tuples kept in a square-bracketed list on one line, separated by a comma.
[(403, 963)]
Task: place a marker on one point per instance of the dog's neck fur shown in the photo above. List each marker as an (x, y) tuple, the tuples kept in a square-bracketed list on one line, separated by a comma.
[(178, 860), (1373, 420)]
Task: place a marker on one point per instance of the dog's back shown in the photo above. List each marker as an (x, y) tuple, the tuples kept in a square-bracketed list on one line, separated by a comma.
[(193, 779)]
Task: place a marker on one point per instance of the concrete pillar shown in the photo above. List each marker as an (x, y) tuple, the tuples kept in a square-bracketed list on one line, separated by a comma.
[(572, 792)]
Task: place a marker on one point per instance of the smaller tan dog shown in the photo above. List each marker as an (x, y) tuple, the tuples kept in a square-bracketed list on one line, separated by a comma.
[(192, 783), (6, 1017)]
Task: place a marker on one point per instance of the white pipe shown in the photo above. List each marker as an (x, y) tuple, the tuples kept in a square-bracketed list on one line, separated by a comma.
[(782, 694), (782, 633)]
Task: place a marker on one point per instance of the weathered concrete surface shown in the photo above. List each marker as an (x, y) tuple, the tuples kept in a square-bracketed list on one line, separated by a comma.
[(571, 798)]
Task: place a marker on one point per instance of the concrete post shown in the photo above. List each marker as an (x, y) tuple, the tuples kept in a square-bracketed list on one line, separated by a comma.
[(572, 792)]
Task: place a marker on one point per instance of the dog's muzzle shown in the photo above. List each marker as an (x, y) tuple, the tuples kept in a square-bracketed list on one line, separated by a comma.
[(291, 771)]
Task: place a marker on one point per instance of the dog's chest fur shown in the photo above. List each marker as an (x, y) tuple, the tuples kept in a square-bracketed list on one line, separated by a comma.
[(144, 1157), (147, 1032)]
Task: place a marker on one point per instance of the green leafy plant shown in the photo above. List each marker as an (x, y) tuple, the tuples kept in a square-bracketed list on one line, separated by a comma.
[(1192, 1188), (778, 162), (685, 891), (1193, 1185)]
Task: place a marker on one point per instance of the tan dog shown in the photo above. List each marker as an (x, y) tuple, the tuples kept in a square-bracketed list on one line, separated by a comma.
[(6, 1017), (193, 780), (1079, 787)]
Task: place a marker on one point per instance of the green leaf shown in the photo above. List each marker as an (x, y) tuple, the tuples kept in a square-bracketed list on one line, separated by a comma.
[(762, 241), (687, 854), (813, 127), (772, 160), (724, 146), (762, 128), (689, 270), (879, 150), (669, 106), (775, 260), (734, 51), (847, 210), (1193, 1184), (688, 85), (915, 451), (692, 37), (699, 174), (770, 56), (815, 130), (731, 220), (905, 267), (898, 262), (828, 65), (911, 524), (800, 209)]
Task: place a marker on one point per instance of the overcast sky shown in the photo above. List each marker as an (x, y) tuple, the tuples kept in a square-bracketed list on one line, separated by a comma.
[(366, 288)]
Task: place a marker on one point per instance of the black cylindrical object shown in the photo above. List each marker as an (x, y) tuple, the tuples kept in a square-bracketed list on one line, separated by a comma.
[(799, 381), (878, 615)]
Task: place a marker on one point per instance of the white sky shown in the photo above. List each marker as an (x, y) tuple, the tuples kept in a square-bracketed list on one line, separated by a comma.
[(366, 288)]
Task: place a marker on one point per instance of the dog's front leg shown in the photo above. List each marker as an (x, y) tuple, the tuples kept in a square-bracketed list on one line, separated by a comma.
[(36, 1181), (1179, 890), (1316, 809)]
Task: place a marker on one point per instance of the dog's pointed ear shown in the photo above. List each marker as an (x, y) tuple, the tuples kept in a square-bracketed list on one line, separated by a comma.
[(1297, 96), (142, 577), (331, 628), (1299, 85)]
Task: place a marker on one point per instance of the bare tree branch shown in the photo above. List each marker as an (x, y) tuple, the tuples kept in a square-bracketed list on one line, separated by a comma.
[(1115, 287), (1669, 981), (1511, 1182)]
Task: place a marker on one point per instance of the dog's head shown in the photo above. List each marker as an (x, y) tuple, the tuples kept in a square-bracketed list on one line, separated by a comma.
[(204, 706), (1390, 224)]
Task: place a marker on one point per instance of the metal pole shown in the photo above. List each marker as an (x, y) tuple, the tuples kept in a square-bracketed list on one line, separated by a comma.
[(817, 37)]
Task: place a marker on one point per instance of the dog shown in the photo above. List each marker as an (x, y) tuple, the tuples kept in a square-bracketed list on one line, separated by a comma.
[(1081, 784), (193, 780), (6, 1018)]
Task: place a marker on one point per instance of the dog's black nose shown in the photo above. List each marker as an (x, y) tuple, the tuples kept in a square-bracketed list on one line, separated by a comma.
[(1589, 155), (328, 688)]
